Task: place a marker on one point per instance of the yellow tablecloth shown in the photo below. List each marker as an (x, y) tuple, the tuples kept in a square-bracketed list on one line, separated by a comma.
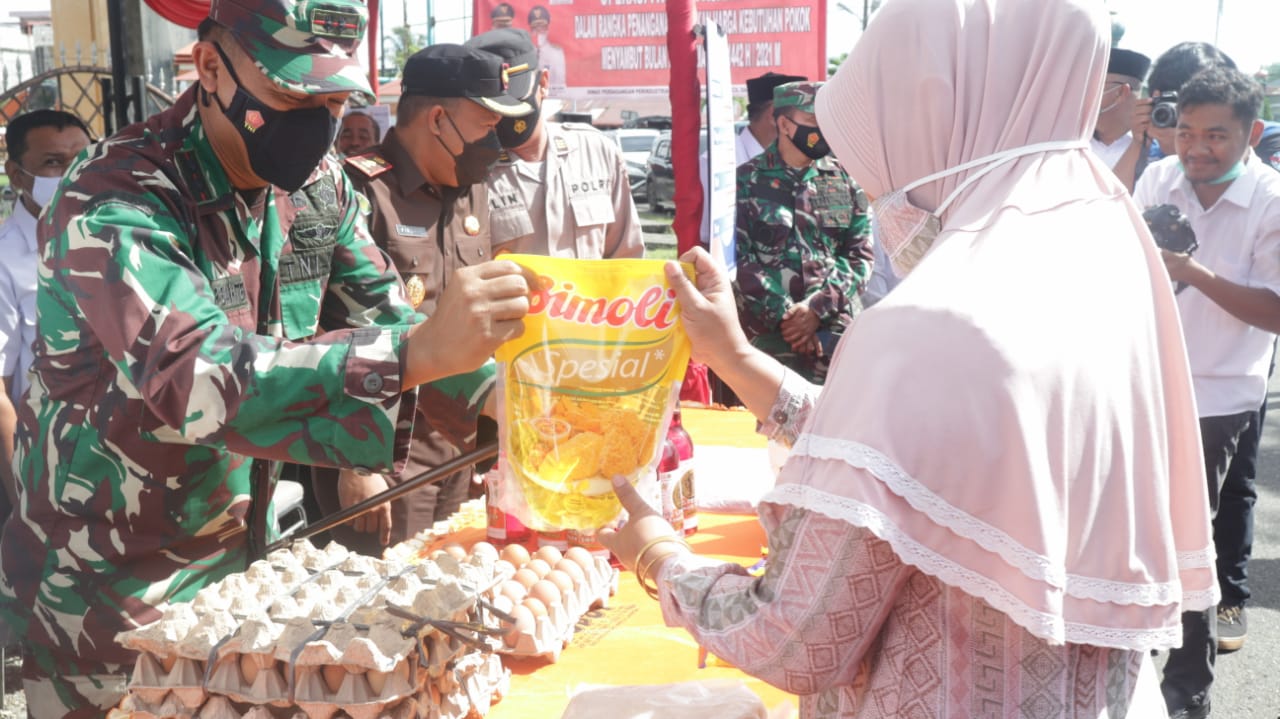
[(627, 643)]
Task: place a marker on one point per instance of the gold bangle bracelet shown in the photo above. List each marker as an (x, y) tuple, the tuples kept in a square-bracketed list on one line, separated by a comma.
[(655, 542), (643, 571)]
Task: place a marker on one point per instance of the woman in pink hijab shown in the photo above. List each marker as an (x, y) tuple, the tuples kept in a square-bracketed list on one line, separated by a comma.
[(996, 507)]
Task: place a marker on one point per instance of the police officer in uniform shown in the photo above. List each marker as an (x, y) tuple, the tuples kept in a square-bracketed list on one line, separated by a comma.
[(425, 183), (550, 54), (559, 189)]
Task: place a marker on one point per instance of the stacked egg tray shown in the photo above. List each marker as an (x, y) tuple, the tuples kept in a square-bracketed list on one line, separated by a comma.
[(326, 634), (538, 597)]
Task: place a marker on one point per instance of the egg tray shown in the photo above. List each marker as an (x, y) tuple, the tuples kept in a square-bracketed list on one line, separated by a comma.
[(553, 632), (369, 638), (470, 514)]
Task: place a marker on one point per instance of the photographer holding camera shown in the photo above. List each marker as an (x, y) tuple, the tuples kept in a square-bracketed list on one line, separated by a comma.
[(1170, 71), (1230, 311)]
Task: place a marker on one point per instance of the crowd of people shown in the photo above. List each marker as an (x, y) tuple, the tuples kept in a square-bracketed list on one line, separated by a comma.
[(194, 301)]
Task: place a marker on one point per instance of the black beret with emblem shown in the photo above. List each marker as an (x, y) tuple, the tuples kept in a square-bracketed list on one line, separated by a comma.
[(519, 58), (448, 70)]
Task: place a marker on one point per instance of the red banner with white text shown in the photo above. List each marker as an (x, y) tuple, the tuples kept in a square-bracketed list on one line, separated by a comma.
[(617, 48)]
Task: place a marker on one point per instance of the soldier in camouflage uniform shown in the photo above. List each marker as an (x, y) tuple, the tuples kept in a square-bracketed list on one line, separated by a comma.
[(431, 215), (803, 243), (210, 304)]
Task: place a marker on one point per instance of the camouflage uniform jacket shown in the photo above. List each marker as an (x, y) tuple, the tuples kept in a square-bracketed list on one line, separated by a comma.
[(181, 332), (802, 236)]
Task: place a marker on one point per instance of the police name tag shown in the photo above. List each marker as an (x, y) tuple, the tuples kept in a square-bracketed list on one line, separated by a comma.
[(411, 231)]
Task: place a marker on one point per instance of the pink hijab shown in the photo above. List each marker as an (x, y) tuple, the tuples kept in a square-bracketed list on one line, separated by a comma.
[(1016, 418)]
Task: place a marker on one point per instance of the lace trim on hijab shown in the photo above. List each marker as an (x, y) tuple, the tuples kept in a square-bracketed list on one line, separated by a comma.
[(1046, 626), (938, 510)]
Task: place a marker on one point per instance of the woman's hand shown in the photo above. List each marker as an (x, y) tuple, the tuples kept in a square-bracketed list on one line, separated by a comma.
[(644, 525), (708, 310)]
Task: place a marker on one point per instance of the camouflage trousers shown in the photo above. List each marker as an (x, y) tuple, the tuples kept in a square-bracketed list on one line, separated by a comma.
[(811, 367), (59, 685)]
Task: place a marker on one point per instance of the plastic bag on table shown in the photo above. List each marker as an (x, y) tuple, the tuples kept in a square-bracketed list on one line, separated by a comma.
[(587, 391), (709, 699)]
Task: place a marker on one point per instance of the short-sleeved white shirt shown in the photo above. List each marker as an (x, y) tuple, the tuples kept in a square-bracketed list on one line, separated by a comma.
[(1239, 238), (17, 297)]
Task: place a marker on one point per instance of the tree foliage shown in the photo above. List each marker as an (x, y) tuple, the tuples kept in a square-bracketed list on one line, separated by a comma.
[(407, 43)]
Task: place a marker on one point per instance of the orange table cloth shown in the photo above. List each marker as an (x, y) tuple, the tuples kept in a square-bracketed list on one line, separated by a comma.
[(627, 643)]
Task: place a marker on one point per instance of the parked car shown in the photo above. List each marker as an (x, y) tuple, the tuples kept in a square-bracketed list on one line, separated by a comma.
[(636, 144), (660, 181)]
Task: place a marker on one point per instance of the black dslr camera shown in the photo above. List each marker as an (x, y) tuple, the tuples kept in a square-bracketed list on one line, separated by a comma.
[(1170, 229), (1164, 111)]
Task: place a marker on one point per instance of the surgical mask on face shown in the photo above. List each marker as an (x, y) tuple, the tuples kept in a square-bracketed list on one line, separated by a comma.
[(907, 232), (515, 131), (808, 139), (1235, 171), (42, 188), (284, 146), (471, 166), (1119, 96)]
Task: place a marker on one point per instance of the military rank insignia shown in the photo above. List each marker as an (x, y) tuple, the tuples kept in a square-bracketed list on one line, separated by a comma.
[(471, 225), (370, 164), (417, 290)]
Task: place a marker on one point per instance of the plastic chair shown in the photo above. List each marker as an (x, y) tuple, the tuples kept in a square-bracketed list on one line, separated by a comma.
[(290, 515)]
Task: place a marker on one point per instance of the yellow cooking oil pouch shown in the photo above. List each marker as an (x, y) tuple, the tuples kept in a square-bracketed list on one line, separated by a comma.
[(587, 391)]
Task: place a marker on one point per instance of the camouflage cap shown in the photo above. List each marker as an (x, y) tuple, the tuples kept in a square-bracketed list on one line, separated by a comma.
[(306, 46), (799, 95)]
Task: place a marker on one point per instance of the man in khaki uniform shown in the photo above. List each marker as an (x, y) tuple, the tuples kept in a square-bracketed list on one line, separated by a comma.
[(425, 183), (559, 189)]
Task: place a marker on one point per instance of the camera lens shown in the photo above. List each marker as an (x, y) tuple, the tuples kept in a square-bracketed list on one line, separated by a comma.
[(1164, 113)]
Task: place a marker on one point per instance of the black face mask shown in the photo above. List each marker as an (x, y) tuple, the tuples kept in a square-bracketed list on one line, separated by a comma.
[(284, 146), (471, 166), (809, 140), (515, 131)]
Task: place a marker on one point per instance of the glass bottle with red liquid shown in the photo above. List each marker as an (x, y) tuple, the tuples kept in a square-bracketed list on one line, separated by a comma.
[(683, 445)]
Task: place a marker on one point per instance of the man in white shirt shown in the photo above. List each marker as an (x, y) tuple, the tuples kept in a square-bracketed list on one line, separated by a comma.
[(1230, 308), (41, 146), (1125, 72)]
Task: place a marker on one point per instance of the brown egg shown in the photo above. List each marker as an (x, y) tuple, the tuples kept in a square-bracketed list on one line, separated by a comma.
[(515, 554), (527, 577), (503, 568), (248, 668), (333, 675), (570, 567), (539, 566), (455, 550), (484, 551), (546, 592), (513, 590), (582, 557), (524, 623), (563, 582), (549, 554), (377, 680), (503, 603), (537, 607)]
